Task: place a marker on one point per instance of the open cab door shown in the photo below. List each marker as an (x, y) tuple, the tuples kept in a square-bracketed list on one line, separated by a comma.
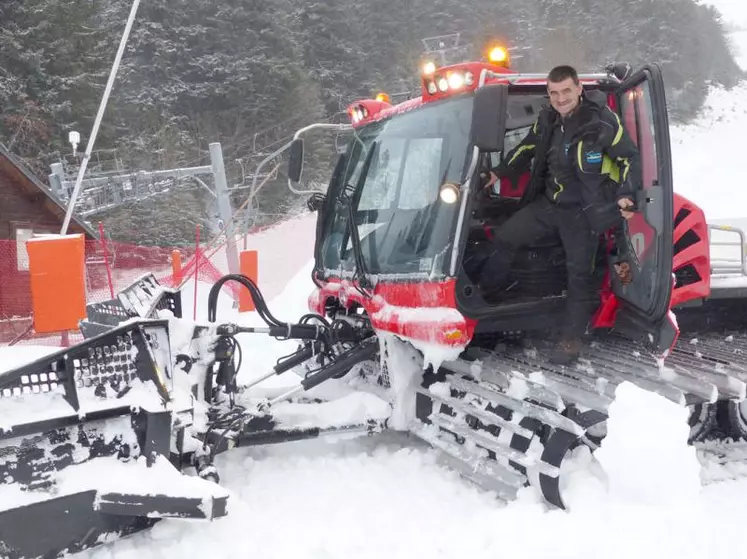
[(641, 272)]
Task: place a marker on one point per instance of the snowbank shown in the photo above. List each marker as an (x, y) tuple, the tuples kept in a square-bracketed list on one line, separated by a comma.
[(707, 157)]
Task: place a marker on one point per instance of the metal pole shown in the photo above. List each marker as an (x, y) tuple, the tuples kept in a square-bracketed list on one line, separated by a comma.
[(99, 117), (224, 206), (102, 238), (197, 270)]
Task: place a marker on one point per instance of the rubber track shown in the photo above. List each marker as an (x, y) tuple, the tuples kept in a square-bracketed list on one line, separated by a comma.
[(512, 408)]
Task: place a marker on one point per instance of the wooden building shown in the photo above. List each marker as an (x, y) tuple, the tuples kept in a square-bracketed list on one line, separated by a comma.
[(27, 207)]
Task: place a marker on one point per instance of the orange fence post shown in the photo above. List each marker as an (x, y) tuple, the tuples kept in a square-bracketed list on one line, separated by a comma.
[(102, 237), (249, 267), (197, 269), (176, 266), (57, 269)]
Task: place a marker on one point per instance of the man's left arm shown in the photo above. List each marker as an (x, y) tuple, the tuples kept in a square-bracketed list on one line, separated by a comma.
[(607, 136), (625, 154)]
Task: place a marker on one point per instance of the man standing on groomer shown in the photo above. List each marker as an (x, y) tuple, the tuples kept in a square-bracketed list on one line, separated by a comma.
[(571, 194)]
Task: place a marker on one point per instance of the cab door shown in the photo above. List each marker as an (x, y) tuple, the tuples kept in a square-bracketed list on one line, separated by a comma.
[(641, 272)]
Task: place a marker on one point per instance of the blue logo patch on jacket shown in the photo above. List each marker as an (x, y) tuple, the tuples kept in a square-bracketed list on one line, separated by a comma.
[(593, 156)]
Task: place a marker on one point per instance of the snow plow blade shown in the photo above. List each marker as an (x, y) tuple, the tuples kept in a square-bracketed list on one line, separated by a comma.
[(86, 438), (141, 299), (88, 518), (161, 506), (77, 526)]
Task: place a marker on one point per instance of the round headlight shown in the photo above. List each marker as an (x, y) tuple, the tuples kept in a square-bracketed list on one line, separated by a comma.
[(443, 84), (456, 80), (432, 89), (449, 193)]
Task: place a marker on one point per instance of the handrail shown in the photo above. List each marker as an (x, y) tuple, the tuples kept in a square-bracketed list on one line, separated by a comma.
[(742, 268)]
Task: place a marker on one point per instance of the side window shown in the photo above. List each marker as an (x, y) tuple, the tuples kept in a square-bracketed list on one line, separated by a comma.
[(514, 137), (636, 109), (638, 120)]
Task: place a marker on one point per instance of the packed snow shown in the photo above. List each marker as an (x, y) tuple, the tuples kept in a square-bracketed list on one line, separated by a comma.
[(640, 495)]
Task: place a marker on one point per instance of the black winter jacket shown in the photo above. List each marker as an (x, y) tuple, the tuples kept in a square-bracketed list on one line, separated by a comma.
[(586, 160)]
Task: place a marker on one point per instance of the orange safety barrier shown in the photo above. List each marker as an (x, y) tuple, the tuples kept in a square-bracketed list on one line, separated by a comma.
[(57, 271), (249, 267), (176, 266)]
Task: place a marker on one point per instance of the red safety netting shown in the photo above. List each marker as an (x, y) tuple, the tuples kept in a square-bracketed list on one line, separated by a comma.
[(110, 267)]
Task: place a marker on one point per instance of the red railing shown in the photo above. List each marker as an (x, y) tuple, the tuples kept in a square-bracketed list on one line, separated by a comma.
[(283, 249)]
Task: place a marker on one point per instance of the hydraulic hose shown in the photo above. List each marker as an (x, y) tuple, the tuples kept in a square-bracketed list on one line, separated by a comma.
[(304, 330), (256, 294)]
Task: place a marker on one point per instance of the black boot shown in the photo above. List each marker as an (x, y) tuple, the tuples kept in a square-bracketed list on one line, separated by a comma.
[(566, 351)]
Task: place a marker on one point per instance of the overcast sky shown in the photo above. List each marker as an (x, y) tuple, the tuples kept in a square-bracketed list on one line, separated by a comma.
[(732, 10)]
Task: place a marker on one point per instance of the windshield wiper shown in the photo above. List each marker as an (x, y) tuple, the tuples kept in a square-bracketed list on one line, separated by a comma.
[(355, 240)]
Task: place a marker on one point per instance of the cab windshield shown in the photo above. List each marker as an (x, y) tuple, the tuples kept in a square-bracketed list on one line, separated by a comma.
[(393, 172)]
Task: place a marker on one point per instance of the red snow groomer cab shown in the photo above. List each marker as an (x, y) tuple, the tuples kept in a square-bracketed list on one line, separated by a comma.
[(406, 211)]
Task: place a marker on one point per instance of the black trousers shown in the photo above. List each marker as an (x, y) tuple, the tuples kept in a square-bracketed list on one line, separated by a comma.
[(537, 220)]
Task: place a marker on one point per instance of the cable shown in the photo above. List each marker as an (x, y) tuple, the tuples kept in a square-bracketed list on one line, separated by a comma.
[(237, 350), (257, 297)]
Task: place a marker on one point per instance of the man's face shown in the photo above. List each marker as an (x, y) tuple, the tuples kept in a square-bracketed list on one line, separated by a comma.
[(564, 96)]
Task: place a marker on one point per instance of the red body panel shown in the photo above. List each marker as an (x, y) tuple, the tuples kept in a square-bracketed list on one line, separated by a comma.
[(692, 253), (425, 312)]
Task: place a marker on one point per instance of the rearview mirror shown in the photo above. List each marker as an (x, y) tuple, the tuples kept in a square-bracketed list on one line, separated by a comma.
[(489, 117), (295, 160)]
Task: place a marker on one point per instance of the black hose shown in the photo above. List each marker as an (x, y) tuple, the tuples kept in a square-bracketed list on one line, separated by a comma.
[(259, 303), (256, 294)]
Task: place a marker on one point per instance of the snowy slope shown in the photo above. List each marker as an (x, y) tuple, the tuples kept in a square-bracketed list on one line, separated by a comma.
[(707, 157), (707, 154)]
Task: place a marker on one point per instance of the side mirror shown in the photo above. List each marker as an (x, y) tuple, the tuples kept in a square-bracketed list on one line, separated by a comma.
[(295, 160), (316, 201), (621, 70), (489, 117)]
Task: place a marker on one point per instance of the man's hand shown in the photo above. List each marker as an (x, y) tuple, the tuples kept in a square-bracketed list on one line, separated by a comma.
[(491, 180), (625, 203), (624, 273)]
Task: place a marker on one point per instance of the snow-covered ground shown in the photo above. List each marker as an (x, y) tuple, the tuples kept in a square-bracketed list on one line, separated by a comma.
[(390, 497)]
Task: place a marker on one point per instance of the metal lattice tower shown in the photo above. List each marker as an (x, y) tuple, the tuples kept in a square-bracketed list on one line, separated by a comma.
[(447, 47)]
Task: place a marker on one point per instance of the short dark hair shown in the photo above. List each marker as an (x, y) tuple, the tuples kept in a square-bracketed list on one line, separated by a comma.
[(560, 73)]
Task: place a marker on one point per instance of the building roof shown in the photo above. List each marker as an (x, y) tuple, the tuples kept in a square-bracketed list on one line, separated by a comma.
[(55, 205)]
